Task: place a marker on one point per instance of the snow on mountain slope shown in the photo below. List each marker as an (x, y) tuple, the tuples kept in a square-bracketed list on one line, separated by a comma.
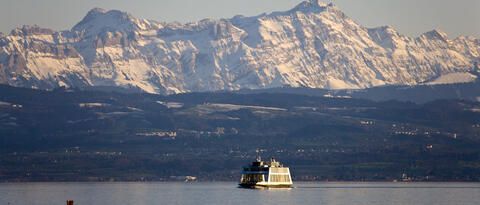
[(312, 45), (453, 78)]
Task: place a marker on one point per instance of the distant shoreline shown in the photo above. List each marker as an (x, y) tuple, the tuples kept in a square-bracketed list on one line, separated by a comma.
[(225, 181)]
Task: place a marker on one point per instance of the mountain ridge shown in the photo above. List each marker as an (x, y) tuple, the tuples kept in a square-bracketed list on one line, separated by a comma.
[(312, 45)]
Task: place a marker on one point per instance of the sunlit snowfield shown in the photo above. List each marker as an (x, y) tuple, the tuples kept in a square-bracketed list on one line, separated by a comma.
[(227, 193)]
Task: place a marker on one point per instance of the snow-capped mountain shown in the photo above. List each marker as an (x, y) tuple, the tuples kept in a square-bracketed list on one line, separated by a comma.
[(312, 45)]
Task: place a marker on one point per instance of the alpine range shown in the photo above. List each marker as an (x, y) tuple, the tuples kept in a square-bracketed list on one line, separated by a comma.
[(313, 45)]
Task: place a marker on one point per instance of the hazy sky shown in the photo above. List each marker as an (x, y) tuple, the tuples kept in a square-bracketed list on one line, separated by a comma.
[(410, 17)]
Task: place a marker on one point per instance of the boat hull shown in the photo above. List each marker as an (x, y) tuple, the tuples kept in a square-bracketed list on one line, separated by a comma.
[(264, 186)]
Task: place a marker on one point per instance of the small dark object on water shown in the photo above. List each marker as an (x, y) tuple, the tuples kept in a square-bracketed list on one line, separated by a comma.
[(69, 202)]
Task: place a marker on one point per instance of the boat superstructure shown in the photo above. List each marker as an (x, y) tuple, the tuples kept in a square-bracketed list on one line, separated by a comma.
[(265, 174)]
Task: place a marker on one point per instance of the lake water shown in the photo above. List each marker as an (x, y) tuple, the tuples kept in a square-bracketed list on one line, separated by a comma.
[(227, 193)]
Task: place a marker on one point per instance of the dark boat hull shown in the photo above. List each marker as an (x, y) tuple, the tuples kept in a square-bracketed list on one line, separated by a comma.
[(257, 186)]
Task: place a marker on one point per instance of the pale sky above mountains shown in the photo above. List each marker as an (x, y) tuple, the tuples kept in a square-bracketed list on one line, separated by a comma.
[(410, 17)]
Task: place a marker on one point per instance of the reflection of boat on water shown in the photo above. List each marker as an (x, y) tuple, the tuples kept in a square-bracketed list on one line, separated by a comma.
[(262, 174)]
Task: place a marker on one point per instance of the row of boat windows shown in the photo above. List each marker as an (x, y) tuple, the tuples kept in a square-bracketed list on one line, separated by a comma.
[(253, 178), (278, 170), (279, 178)]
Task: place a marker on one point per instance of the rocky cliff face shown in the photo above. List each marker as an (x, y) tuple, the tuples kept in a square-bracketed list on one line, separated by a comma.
[(312, 45)]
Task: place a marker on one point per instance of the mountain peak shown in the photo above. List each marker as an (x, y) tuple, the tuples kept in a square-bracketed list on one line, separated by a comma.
[(312, 5), (31, 30), (385, 30), (98, 20), (317, 3), (96, 11), (436, 35)]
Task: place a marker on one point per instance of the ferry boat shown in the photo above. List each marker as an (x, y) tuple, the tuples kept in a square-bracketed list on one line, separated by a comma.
[(261, 174)]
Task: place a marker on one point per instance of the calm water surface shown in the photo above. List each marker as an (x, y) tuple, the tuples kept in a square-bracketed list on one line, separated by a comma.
[(227, 193)]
